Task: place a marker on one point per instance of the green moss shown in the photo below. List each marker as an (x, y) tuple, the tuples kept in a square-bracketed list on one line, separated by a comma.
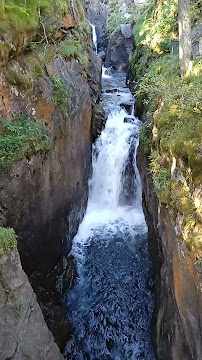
[(180, 199), (146, 137), (24, 15), (18, 308), (157, 26), (22, 136), (8, 240), (60, 94), (175, 104), (14, 77), (143, 25), (72, 48)]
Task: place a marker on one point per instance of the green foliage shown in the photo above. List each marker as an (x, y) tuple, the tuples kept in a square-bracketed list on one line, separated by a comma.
[(161, 175), (8, 240), (162, 180), (22, 136), (179, 116), (143, 25), (196, 11), (117, 16), (14, 77), (115, 19), (140, 60), (175, 104), (157, 26), (72, 48), (60, 94), (180, 199), (146, 137), (24, 15), (18, 308)]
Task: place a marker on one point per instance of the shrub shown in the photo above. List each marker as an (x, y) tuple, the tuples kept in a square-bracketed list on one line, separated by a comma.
[(18, 308), (23, 15), (72, 48), (146, 137), (60, 94), (8, 240), (157, 26), (22, 136)]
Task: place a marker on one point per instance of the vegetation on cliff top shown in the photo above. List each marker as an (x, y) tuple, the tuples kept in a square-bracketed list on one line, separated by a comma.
[(173, 136), (8, 240), (120, 13), (26, 15), (21, 136)]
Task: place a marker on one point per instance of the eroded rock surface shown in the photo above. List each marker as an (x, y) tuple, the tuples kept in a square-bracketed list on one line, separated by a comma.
[(23, 331), (177, 326)]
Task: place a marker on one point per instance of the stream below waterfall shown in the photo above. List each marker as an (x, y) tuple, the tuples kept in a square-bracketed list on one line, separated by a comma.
[(111, 303)]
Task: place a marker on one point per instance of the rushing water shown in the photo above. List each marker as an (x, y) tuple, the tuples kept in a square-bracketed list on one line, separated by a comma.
[(94, 37), (111, 303)]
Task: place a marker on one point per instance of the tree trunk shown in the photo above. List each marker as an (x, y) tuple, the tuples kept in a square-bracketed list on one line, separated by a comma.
[(184, 35)]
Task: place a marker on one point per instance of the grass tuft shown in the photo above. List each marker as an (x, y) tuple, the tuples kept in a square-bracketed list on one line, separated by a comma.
[(22, 136), (8, 240)]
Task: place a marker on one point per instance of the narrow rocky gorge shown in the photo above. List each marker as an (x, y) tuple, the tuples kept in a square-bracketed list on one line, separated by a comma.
[(98, 272)]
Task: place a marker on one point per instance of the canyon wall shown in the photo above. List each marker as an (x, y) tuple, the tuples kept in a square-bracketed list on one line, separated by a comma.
[(49, 83), (177, 320)]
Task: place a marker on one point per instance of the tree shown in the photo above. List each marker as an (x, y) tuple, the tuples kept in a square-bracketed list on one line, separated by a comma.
[(184, 35)]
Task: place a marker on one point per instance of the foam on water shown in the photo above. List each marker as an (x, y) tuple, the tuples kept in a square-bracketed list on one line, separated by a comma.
[(111, 303)]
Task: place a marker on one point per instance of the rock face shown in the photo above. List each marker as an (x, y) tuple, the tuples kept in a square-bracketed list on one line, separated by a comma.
[(97, 12), (98, 121), (43, 196), (119, 47), (23, 331), (177, 322)]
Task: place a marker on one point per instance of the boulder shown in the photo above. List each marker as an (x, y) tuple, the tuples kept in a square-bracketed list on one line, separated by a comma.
[(98, 121), (102, 55), (23, 331), (119, 47)]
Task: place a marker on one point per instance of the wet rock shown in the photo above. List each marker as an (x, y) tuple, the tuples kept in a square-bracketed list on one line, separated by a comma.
[(119, 47), (98, 121), (127, 107), (128, 180), (94, 74), (111, 90), (126, 30), (128, 120), (102, 55)]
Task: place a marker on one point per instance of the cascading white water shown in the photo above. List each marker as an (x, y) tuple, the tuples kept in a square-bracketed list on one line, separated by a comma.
[(111, 304), (94, 36)]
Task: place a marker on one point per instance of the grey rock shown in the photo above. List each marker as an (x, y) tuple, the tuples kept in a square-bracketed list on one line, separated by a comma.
[(126, 30), (119, 48), (44, 197), (23, 331), (101, 55), (98, 121), (196, 33)]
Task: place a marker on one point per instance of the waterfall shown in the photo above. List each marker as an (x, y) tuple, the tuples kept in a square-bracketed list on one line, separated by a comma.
[(94, 36), (111, 303)]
